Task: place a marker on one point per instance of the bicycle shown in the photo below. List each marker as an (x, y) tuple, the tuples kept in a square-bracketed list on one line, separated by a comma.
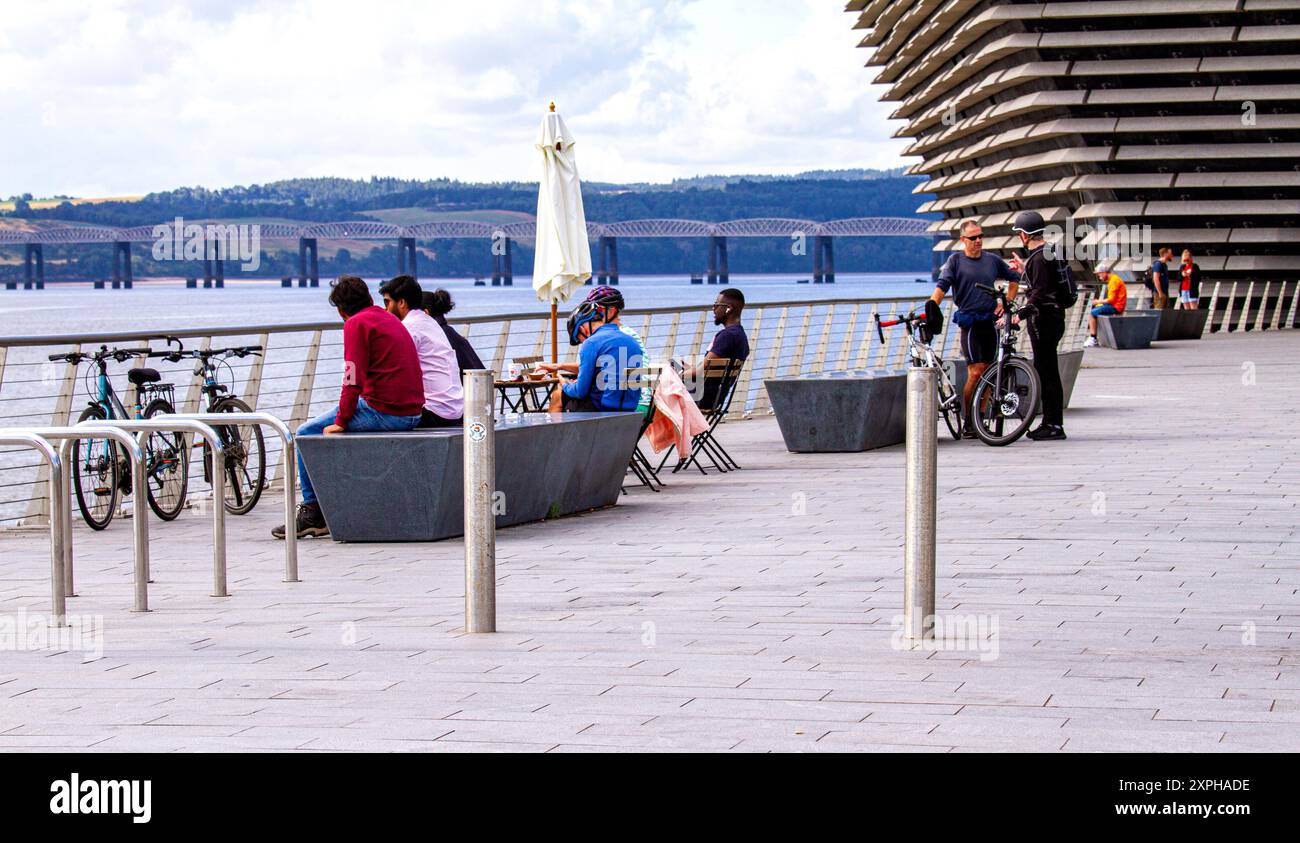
[(920, 333), (102, 472), (245, 448), (1009, 389)]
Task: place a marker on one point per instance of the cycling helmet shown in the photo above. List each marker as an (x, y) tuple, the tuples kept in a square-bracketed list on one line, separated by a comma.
[(606, 297), (1029, 222), (582, 315)]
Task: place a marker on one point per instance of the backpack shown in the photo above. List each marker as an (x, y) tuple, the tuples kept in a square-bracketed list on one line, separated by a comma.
[(1068, 295)]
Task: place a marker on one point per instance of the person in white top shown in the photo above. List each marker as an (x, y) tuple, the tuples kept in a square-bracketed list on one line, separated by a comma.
[(444, 397)]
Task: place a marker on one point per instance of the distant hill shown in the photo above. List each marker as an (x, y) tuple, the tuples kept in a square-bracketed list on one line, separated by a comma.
[(818, 196)]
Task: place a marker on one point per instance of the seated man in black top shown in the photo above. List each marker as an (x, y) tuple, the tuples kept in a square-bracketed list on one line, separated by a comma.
[(731, 343), (438, 304)]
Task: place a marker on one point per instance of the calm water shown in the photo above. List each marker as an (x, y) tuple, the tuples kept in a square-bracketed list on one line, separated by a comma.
[(161, 305)]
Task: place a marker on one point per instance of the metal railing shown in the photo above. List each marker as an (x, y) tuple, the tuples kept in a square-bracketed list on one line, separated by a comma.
[(299, 374)]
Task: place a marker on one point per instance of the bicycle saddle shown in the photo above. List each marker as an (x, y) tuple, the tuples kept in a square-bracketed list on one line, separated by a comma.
[(139, 377)]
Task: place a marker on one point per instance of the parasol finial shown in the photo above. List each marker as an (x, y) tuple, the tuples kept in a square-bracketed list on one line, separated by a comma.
[(552, 106)]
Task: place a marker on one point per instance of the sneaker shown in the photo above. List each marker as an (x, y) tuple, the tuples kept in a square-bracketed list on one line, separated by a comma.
[(1090, 342), (969, 433), (310, 523), (1047, 432)]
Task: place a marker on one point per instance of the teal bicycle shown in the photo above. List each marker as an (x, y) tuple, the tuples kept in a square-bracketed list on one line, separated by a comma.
[(101, 472)]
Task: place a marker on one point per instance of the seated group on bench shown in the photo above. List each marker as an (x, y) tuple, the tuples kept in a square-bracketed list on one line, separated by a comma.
[(403, 366), (400, 372)]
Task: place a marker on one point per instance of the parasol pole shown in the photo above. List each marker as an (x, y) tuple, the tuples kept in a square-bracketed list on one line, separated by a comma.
[(555, 338)]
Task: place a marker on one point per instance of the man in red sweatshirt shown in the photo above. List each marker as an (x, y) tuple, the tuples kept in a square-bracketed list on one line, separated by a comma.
[(383, 387)]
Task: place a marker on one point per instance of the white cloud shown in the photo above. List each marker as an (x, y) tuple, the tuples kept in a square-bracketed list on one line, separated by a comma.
[(126, 96)]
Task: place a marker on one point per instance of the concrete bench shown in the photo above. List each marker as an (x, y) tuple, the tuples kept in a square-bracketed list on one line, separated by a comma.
[(839, 412), (1136, 329), (1068, 363), (1178, 324), (408, 487)]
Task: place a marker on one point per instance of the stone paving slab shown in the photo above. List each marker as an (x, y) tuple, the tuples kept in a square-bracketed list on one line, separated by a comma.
[(1136, 584)]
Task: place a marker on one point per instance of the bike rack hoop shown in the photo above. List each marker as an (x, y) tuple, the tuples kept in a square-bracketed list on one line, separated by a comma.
[(66, 436), (58, 496), (289, 468), (171, 424)]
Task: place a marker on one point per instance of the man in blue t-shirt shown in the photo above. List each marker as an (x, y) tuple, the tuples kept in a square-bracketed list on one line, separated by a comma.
[(607, 353), (976, 309), (731, 343), (1160, 279)]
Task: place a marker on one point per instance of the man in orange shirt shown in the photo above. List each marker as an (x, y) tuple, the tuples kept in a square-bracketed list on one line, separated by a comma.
[(1111, 304)]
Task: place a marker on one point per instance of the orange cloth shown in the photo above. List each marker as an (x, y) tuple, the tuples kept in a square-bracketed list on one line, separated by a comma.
[(1116, 292), (677, 420)]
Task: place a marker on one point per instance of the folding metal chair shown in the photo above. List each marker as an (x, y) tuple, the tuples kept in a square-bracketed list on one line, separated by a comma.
[(715, 389), (646, 377)]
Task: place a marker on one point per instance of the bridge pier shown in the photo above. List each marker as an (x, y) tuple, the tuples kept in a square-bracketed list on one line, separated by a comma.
[(122, 265), (34, 259), (305, 245), (719, 271), (823, 259), (503, 263), (406, 257), (607, 261)]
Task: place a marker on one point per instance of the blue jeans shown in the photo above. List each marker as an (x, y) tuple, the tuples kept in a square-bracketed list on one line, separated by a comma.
[(366, 418), (1105, 310)]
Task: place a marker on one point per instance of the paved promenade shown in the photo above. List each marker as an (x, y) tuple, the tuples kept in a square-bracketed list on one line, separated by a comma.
[(1142, 578)]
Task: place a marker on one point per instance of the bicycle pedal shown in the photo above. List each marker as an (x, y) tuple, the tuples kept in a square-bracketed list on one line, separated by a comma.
[(103, 491)]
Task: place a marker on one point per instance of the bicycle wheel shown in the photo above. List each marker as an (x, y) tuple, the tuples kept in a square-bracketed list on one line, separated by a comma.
[(245, 459), (949, 402), (167, 466), (95, 474), (1004, 408)]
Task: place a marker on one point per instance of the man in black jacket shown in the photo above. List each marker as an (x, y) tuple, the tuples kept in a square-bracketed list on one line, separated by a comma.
[(1044, 308)]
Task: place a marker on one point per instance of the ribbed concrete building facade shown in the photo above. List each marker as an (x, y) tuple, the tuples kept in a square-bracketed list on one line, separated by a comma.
[(1182, 115)]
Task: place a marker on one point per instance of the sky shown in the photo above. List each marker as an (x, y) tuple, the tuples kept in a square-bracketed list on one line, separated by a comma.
[(119, 97)]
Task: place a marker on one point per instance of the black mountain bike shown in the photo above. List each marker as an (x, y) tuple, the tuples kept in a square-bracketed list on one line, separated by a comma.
[(245, 448), (101, 470), (1006, 397)]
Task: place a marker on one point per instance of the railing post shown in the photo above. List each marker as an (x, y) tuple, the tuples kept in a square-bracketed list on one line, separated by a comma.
[(949, 328), (503, 340), (864, 348), (4, 354), (801, 341), (773, 363), (1277, 311), (1244, 320), (1226, 326), (38, 514), (740, 405), (194, 392), (1263, 306), (819, 363), (480, 522), (302, 401), (919, 519), (699, 334), (253, 386), (1293, 318), (1214, 303), (670, 342), (846, 347)]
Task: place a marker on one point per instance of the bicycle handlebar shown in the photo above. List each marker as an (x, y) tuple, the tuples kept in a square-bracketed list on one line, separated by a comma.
[(118, 354)]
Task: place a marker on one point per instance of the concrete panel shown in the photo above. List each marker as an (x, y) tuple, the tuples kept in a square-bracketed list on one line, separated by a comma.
[(840, 412), (1132, 330), (1177, 324), (405, 487)]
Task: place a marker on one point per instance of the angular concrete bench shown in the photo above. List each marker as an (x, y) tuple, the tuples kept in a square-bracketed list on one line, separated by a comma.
[(839, 412), (1178, 324), (1068, 363), (408, 487), (1132, 330)]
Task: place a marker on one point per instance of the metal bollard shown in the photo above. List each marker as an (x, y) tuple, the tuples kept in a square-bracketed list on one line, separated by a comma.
[(480, 523), (919, 521)]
